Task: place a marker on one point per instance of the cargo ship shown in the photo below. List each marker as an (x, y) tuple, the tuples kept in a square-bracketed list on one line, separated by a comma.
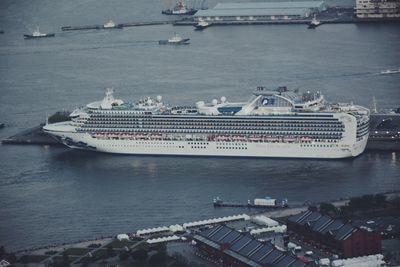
[(273, 123)]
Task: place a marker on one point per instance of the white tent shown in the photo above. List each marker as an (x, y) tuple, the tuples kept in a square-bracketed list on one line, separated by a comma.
[(121, 237), (264, 220), (276, 229), (163, 239)]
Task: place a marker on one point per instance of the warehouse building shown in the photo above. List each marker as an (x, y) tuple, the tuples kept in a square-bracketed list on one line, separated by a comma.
[(260, 11), (347, 240), (378, 9), (229, 247)]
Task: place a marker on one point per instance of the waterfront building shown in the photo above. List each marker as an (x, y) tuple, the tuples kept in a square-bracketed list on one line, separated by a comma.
[(347, 240), (273, 123), (378, 9), (260, 11), (229, 247)]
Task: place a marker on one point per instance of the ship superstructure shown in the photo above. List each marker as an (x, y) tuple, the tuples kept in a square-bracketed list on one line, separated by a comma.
[(273, 123)]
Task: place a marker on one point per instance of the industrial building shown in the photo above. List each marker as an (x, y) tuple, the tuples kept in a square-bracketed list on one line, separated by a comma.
[(346, 240), (260, 11), (229, 247), (378, 9)]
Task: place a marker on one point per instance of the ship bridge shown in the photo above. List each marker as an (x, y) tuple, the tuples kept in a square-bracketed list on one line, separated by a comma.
[(266, 102)]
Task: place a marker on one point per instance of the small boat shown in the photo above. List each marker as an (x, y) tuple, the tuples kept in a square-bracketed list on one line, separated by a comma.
[(37, 34), (175, 40), (111, 25), (201, 25), (391, 71), (314, 23)]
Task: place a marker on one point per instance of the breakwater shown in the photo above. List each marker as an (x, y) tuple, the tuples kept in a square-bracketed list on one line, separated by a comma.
[(34, 136), (117, 26)]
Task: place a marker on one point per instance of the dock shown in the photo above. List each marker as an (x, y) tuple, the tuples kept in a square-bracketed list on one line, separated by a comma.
[(191, 21), (384, 132), (117, 26), (348, 20), (217, 202), (31, 136)]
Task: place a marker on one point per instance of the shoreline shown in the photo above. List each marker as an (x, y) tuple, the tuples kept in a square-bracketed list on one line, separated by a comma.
[(104, 240)]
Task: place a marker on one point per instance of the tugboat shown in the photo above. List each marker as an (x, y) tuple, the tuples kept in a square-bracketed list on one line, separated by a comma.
[(175, 40), (179, 9), (111, 25), (201, 25), (314, 23), (37, 34)]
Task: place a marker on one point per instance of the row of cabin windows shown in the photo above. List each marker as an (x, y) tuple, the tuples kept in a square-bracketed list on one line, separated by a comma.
[(232, 142), (294, 133), (284, 127), (213, 120), (204, 147), (319, 145), (140, 145), (217, 118), (297, 125), (231, 147), (224, 123), (198, 143), (291, 133), (225, 129), (148, 114)]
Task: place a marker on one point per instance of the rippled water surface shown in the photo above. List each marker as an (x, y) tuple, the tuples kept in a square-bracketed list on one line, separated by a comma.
[(54, 195)]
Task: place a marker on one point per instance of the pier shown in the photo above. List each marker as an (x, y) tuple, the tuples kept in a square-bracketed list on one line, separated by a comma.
[(33, 135), (261, 22), (118, 26), (330, 16), (384, 132), (217, 202), (188, 21)]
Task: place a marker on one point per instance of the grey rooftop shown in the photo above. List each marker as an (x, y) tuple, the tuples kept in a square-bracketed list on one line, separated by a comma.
[(270, 5)]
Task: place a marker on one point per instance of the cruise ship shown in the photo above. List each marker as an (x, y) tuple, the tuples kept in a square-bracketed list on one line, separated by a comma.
[(272, 123)]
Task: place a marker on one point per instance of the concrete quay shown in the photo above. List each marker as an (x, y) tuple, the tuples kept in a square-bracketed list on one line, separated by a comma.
[(117, 26), (31, 136), (80, 250), (384, 132)]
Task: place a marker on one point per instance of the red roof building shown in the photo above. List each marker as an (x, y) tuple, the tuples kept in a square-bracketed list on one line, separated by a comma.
[(346, 240)]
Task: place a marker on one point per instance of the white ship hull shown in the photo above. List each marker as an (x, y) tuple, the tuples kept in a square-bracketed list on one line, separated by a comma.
[(212, 148), (271, 124)]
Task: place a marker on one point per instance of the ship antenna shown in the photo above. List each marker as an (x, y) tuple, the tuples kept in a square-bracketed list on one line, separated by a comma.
[(373, 108)]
